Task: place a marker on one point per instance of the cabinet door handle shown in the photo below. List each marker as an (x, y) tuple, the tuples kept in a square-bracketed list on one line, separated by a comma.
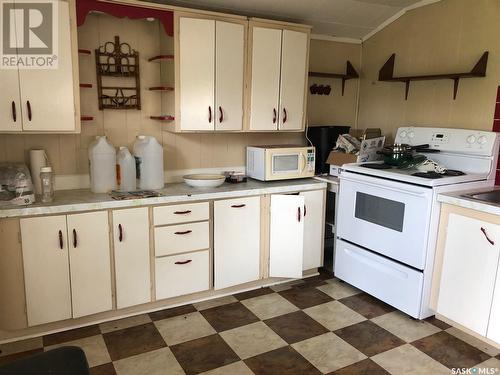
[(184, 261), (184, 232), (120, 233), (182, 212), (75, 239), (221, 114), (487, 237), (61, 243), (274, 115), (298, 214), (28, 106), (284, 115), (305, 210), (238, 205), (14, 112), (209, 113)]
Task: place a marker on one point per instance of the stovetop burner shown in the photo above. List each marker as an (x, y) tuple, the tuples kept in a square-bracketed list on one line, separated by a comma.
[(453, 172), (433, 175), (376, 166)]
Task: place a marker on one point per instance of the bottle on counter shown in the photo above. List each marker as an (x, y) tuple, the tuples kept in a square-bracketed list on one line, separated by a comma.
[(148, 155), (47, 184), (125, 170), (102, 165)]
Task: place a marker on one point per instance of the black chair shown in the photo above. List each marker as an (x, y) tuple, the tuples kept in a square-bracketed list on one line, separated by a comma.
[(68, 360)]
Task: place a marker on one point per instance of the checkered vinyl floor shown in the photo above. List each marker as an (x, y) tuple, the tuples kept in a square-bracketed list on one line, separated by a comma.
[(313, 326)]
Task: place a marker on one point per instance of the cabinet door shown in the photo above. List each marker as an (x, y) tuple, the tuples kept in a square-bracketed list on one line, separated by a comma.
[(493, 332), (89, 261), (266, 56), (469, 269), (46, 269), (132, 267), (229, 68), (47, 106), (197, 73), (10, 109), (236, 241), (287, 236), (293, 80), (314, 213)]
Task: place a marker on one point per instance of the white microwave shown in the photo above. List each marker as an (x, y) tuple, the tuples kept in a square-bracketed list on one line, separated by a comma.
[(280, 162)]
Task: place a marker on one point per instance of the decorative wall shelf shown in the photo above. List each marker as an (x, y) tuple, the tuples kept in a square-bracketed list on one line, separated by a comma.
[(350, 73), (85, 85), (161, 88), (86, 118), (162, 118), (386, 74), (160, 58), (84, 51)]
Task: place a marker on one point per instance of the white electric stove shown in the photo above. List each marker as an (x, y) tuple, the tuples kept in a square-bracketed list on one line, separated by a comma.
[(388, 218)]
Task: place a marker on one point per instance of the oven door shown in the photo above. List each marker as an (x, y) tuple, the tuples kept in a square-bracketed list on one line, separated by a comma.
[(384, 216)]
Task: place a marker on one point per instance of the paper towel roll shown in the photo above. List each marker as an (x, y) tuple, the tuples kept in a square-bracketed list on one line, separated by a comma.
[(38, 159)]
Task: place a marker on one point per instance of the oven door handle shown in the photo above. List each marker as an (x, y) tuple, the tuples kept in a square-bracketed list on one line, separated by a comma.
[(364, 183)]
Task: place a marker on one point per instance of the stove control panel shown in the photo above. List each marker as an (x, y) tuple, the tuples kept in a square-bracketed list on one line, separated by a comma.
[(452, 140)]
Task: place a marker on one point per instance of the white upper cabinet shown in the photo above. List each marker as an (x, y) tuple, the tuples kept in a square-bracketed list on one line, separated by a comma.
[(236, 241), (90, 263), (314, 219), (25, 103), (470, 265), (265, 84), (197, 73), (278, 79), (293, 80), (229, 75), (211, 75), (132, 258), (286, 236)]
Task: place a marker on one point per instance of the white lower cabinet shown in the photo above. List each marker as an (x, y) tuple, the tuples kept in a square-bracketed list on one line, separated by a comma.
[(493, 332), (314, 219), (470, 266), (46, 270), (236, 241), (182, 274), (57, 249), (132, 257), (90, 265), (286, 243)]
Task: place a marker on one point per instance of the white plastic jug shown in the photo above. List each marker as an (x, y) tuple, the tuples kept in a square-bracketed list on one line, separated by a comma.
[(148, 155), (102, 165), (125, 170)]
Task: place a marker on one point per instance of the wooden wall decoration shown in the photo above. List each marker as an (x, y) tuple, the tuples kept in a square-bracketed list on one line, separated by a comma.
[(118, 60)]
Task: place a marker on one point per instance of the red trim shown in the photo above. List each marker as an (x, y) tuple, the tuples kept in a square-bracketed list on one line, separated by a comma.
[(161, 57), (84, 7), (162, 118)]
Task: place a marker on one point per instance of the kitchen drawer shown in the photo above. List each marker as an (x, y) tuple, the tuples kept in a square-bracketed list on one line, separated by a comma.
[(182, 238), (181, 213), (182, 274), (391, 282)]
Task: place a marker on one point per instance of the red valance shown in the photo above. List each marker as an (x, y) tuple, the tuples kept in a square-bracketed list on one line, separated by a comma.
[(84, 7)]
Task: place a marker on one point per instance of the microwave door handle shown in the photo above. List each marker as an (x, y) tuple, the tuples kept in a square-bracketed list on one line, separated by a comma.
[(303, 159)]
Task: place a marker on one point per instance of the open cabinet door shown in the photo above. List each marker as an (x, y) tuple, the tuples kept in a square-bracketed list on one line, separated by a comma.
[(287, 236)]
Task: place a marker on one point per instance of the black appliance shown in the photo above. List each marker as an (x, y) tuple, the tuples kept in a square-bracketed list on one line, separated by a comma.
[(323, 138)]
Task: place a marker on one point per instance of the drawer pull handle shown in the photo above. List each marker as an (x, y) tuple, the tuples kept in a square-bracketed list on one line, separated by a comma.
[(298, 214), (61, 244), (182, 212), (14, 112), (184, 261), (184, 232), (120, 233), (486, 235), (305, 210), (75, 239), (238, 205)]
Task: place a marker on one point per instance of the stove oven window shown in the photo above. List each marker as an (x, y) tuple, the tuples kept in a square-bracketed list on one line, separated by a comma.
[(381, 211)]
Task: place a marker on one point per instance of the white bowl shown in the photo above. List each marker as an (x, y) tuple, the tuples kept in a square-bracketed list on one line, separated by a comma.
[(204, 180)]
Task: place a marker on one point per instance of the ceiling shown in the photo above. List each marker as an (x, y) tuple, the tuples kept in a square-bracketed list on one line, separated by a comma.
[(337, 18)]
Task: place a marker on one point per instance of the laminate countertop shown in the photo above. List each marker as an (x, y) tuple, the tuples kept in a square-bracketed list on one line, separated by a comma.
[(70, 201), (461, 199)]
